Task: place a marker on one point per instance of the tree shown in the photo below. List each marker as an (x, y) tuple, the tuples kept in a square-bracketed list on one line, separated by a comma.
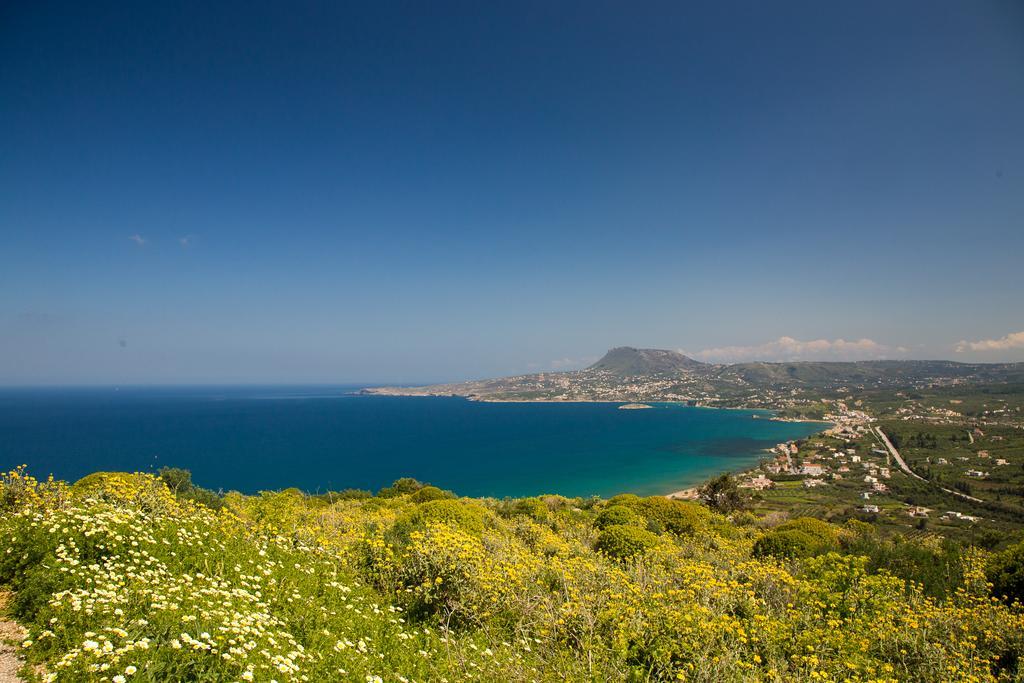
[(724, 495), (400, 487), (178, 480)]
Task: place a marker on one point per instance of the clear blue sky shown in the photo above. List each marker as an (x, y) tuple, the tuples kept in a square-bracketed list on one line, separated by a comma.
[(392, 192)]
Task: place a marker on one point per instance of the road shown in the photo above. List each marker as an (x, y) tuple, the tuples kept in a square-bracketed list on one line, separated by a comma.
[(896, 454), (903, 466)]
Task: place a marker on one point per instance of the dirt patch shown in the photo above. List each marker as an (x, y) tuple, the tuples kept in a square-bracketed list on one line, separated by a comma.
[(11, 634)]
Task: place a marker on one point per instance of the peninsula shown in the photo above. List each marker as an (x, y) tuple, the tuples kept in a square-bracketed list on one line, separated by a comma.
[(794, 389)]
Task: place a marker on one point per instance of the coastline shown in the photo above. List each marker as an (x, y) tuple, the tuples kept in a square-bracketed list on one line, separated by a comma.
[(690, 493)]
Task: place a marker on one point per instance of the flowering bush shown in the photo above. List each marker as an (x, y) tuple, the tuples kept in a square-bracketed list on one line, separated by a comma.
[(789, 544), (622, 542), (117, 580), (617, 515), (662, 514)]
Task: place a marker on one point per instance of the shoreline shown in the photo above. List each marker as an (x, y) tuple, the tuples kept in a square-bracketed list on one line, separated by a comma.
[(690, 493)]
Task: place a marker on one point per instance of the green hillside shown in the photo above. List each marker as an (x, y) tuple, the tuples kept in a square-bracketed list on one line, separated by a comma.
[(890, 372), (118, 579)]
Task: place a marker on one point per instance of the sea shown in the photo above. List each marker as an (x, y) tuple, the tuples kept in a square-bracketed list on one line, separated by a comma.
[(325, 438)]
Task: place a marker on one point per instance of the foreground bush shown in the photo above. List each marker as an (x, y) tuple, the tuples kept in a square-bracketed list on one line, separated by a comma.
[(662, 514), (623, 542), (824, 533), (618, 515), (801, 537), (450, 512), (118, 580), (786, 544), (427, 494), (1005, 571)]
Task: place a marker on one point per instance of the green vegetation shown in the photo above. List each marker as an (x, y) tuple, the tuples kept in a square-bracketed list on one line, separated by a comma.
[(449, 512), (117, 578), (1006, 572), (722, 494), (801, 537), (624, 542), (618, 515), (786, 545), (429, 493), (400, 487), (663, 515), (179, 481)]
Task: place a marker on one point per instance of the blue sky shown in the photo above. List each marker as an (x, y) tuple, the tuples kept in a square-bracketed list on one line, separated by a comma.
[(414, 192)]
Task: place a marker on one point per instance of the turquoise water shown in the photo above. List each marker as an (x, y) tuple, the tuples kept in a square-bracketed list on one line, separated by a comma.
[(321, 438)]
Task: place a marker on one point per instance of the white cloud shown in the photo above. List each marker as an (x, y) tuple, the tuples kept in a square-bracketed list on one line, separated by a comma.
[(790, 349), (138, 239), (1014, 340), (186, 241)]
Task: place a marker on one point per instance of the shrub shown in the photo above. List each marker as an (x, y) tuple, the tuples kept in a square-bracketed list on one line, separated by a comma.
[(724, 495), (621, 542), (176, 478), (451, 512), (826, 534), (800, 537), (617, 515), (858, 528), (856, 534), (743, 518), (786, 544), (449, 573), (427, 494), (18, 488), (400, 487), (555, 502), (179, 481), (1005, 571), (534, 508), (345, 494), (624, 499), (675, 516), (144, 490)]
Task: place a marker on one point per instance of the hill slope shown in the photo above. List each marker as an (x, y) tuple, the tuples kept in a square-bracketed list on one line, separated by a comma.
[(626, 361), (116, 579)]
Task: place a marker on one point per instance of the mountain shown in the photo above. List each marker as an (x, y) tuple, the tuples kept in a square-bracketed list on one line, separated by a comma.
[(625, 361)]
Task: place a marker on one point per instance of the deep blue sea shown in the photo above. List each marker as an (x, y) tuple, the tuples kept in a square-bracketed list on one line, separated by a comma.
[(319, 438)]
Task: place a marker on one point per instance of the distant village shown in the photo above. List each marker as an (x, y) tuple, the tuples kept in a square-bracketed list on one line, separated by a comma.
[(851, 452)]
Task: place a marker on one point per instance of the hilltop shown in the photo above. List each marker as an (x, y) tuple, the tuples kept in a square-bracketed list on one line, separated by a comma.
[(626, 361)]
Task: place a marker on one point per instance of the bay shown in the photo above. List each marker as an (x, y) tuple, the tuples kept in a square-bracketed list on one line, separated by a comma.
[(330, 437)]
